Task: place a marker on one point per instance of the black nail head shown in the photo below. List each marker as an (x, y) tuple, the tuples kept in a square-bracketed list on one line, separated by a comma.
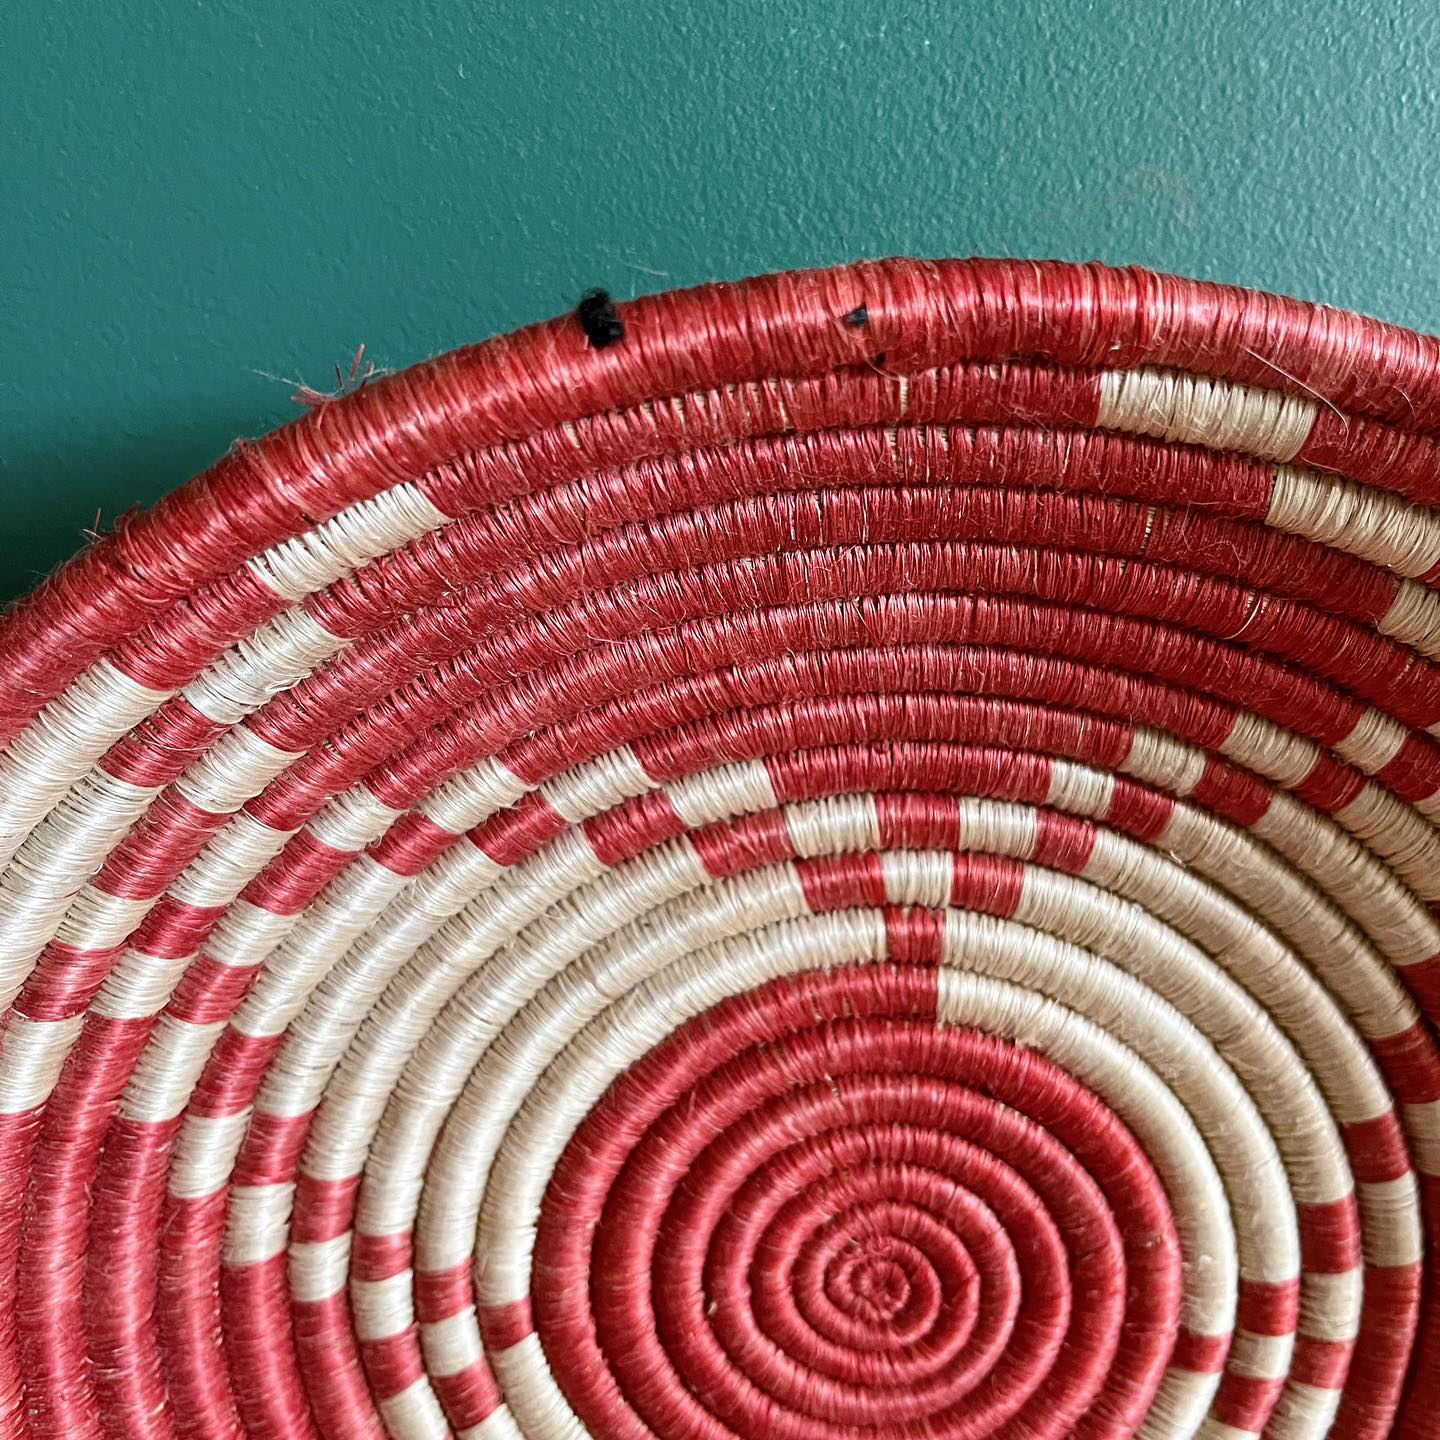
[(859, 316), (598, 319)]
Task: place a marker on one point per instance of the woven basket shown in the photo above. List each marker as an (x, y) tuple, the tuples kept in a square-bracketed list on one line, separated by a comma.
[(850, 855)]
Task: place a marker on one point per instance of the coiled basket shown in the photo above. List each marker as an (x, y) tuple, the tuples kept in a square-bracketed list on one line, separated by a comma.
[(848, 855)]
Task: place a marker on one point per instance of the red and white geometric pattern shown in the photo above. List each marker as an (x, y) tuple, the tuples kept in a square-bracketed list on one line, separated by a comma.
[(863, 861)]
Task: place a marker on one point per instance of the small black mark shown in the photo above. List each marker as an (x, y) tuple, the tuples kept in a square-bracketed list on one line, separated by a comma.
[(599, 320), (859, 316)]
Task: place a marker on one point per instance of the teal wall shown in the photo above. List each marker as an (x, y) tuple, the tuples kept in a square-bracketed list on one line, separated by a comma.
[(202, 195)]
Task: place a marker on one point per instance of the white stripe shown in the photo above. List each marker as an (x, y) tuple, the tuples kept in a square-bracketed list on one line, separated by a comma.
[(1388, 1208), (497, 1425), (451, 1344), (271, 659), (160, 1086), (415, 1413), (352, 819), (205, 1154), (1373, 742), (473, 795), (310, 561), (847, 822), (240, 764), (246, 933), (917, 877), (234, 856), (709, 795), (139, 985), (1080, 789), (1260, 1357), (1163, 761), (1303, 1411), (318, 1269), (1179, 1406), (1330, 1305), (1214, 1429), (597, 785), (31, 1055), (62, 742), (998, 827), (1414, 618), (257, 1223), (383, 1308), (1422, 1129), (1198, 410), (1363, 520), (97, 919)]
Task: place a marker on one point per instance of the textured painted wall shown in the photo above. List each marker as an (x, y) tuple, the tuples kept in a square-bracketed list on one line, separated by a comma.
[(201, 196)]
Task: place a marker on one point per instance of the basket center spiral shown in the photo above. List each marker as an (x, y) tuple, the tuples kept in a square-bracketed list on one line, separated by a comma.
[(837, 1228), (848, 856)]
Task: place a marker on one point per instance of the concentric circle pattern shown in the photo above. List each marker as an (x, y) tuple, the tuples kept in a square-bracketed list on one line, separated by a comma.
[(859, 859)]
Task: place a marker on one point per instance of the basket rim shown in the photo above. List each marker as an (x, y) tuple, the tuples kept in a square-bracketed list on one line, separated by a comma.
[(788, 324)]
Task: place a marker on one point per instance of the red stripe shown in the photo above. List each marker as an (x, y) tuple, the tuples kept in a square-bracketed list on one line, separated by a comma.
[(296, 875), (991, 884), (1138, 810), (1063, 842), (1330, 1236), (411, 843), (1411, 1064), (439, 1294), (1321, 1363), (913, 935), (65, 981), (1330, 786), (380, 1257), (919, 822), (634, 825), (1373, 454), (505, 1325), (392, 1364), (730, 846), (174, 929), (270, 1152), (170, 834), (158, 749), (1233, 793), (324, 1209), (469, 1396), (1200, 1354), (1268, 1309), (209, 991), (255, 1313), (203, 623), (1388, 1316), (1414, 773), (1245, 1402), (836, 882), (233, 1071), (1376, 1149), (1423, 981), (510, 836)]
